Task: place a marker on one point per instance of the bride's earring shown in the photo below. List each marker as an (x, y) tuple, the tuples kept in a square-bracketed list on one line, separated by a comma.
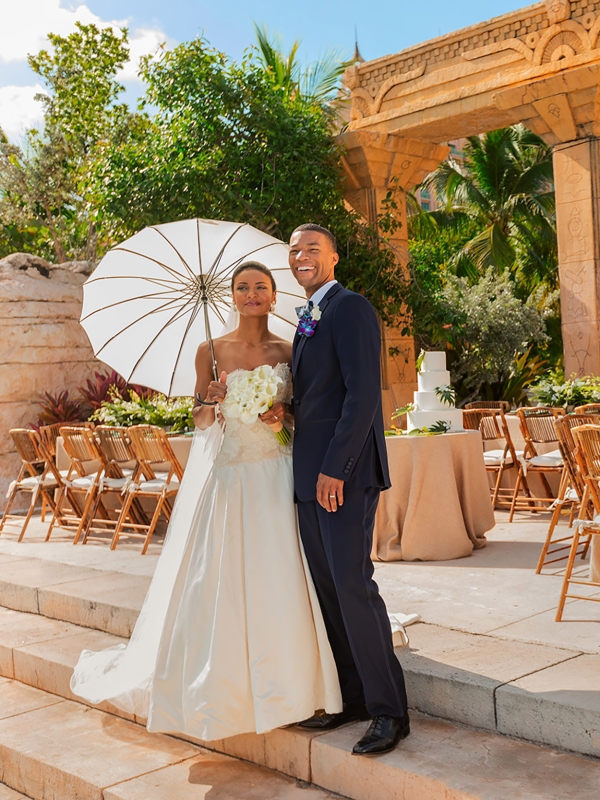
[(272, 309)]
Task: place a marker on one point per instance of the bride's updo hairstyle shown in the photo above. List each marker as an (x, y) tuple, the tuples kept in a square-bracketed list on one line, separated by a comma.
[(253, 265)]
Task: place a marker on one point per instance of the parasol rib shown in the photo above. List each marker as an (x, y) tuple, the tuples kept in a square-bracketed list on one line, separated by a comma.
[(164, 307), (170, 243), (166, 267), (173, 319), (154, 295)]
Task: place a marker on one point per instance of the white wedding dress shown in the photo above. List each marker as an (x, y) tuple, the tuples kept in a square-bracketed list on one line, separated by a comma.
[(231, 638)]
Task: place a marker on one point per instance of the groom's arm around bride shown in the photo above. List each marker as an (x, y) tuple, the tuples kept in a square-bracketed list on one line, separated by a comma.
[(340, 468)]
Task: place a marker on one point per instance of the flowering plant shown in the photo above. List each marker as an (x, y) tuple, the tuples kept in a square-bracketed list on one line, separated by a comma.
[(174, 413), (251, 393), (308, 321)]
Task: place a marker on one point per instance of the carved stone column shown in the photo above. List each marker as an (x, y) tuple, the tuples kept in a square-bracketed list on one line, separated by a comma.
[(373, 163), (577, 180)]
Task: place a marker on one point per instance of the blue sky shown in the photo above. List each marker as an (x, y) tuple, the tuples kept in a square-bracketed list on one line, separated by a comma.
[(385, 26)]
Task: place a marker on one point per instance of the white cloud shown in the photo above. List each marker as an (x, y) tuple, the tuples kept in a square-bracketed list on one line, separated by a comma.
[(25, 26), (18, 110)]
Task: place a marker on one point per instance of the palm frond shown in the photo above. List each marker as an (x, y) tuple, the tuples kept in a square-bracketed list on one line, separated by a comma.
[(491, 248), (320, 82)]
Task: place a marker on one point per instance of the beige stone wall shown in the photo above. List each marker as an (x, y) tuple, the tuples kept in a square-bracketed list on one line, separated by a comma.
[(42, 348), (576, 169)]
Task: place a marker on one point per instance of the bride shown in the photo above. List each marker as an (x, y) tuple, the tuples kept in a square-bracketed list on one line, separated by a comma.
[(230, 638)]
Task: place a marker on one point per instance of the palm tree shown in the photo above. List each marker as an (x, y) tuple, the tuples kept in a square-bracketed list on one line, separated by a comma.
[(318, 83), (504, 193)]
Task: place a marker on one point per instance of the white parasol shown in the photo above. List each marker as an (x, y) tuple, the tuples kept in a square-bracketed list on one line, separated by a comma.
[(153, 299)]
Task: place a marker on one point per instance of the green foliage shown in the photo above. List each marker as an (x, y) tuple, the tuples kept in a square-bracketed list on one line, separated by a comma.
[(80, 75), (156, 409), (226, 142), (399, 412), (504, 189), (318, 84), (554, 390), (44, 192), (441, 426), (431, 262), (489, 325), (104, 386), (446, 395), (514, 384), (59, 407)]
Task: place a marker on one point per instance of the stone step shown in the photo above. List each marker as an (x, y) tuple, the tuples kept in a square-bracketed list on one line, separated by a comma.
[(536, 692), (53, 749), (93, 598), (6, 793)]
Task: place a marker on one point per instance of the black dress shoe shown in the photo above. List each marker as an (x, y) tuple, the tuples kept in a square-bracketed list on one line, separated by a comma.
[(382, 735), (327, 722)]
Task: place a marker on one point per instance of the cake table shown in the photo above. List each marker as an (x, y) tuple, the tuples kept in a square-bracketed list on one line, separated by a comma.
[(439, 506)]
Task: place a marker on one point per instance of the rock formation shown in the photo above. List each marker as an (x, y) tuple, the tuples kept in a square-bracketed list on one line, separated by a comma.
[(42, 345)]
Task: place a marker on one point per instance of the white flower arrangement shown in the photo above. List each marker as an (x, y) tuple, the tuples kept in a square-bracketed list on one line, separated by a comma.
[(316, 313), (251, 393)]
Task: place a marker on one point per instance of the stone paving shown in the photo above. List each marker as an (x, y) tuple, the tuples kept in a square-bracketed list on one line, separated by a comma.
[(487, 655)]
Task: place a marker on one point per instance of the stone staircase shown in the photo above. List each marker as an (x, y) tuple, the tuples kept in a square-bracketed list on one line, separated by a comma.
[(54, 747)]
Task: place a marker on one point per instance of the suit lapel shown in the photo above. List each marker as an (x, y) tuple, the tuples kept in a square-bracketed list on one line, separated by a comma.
[(299, 346)]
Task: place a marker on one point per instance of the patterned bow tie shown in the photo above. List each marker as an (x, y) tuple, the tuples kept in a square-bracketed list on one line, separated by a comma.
[(306, 308)]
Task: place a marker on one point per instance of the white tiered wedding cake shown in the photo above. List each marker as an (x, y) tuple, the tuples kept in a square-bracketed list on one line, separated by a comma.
[(429, 406)]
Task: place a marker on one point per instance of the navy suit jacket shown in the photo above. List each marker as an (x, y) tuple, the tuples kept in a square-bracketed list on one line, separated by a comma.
[(337, 398)]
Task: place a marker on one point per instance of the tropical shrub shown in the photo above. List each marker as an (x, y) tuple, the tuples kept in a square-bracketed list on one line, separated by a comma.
[(104, 385), (59, 407), (558, 392)]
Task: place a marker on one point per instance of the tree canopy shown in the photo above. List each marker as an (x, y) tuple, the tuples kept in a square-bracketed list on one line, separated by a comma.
[(222, 140), (43, 186)]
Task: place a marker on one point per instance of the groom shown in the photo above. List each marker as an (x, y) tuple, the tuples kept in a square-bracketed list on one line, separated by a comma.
[(340, 468)]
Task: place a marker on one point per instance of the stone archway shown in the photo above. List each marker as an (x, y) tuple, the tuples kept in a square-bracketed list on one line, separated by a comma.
[(539, 66)]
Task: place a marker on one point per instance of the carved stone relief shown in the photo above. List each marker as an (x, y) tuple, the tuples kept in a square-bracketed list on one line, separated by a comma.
[(558, 10), (573, 289), (580, 360)]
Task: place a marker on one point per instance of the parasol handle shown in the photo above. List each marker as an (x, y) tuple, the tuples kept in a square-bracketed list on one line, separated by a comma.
[(209, 337)]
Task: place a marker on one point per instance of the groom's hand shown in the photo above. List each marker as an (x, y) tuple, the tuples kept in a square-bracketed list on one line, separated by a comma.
[(330, 492)]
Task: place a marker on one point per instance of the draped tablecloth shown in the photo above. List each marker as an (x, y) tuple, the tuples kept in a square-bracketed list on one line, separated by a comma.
[(439, 506)]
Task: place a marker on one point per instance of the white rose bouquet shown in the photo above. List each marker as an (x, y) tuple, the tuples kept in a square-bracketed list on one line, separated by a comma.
[(251, 393)]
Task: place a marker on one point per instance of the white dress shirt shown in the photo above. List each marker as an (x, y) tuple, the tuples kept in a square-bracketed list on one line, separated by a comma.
[(320, 293)]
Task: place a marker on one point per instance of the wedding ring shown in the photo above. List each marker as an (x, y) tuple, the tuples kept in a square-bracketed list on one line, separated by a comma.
[(331, 495), (275, 418)]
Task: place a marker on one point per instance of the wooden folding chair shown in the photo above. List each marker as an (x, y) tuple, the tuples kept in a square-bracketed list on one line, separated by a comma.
[(589, 408), (37, 475), (492, 425), (491, 404), (571, 489), (537, 427), (48, 436), (118, 466), (80, 485), (152, 450), (587, 455)]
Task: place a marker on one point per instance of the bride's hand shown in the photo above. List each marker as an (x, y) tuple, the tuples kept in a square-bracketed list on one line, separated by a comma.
[(217, 390), (274, 415)]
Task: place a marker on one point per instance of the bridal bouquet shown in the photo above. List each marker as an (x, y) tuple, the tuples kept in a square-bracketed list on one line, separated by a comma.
[(251, 393)]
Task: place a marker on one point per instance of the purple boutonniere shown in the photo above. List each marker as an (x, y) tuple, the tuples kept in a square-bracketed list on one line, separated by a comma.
[(308, 320)]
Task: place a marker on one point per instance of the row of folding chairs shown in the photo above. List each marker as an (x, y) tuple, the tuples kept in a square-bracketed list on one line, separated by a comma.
[(135, 466), (576, 461)]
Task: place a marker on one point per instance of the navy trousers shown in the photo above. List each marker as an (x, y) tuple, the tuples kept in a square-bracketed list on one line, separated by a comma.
[(338, 550)]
